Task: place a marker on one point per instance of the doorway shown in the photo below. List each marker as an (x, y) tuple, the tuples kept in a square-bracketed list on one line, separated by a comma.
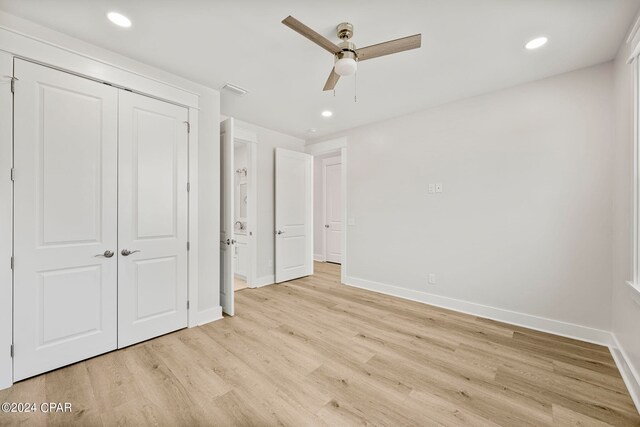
[(329, 190), (244, 201), (238, 211)]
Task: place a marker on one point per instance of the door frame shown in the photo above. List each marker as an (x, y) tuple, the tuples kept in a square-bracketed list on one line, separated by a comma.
[(251, 140), (17, 45), (328, 162)]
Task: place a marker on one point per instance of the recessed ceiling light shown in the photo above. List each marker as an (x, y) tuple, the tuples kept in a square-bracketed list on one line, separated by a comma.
[(119, 19), (312, 130), (327, 113), (536, 43)]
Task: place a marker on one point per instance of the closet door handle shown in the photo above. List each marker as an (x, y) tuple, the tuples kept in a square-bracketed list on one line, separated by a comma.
[(106, 254), (127, 252)]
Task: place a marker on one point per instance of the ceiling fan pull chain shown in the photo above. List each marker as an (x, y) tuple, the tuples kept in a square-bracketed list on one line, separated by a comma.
[(355, 95)]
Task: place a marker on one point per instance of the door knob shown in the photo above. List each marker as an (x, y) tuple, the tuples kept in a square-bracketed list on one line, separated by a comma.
[(106, 254), (127, 252), (279, 232), (326, 226)]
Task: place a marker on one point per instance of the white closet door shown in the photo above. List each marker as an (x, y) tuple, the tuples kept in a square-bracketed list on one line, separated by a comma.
[(65, 218), (332, 177), (294, 215), (152, 214), (227, 238)]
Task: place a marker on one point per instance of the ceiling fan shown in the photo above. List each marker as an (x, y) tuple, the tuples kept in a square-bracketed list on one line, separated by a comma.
[(345, 53)]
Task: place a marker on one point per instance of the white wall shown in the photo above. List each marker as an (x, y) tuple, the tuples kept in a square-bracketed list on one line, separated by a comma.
[(318, 204), (6, 229), (209, 206), (626, 311), (268, 140), (522, 230)]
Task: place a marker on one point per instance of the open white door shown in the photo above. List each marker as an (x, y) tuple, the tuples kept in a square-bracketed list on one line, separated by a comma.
[(332, 197), (65, 271), (294, 215), (227, 239), (152, 218)]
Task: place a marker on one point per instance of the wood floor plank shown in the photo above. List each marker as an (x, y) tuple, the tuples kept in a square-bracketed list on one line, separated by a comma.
[(313, 352), (72, 385), (112, 382)]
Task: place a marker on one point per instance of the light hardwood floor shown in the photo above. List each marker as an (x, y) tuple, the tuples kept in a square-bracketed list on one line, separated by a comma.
[(314, 352)]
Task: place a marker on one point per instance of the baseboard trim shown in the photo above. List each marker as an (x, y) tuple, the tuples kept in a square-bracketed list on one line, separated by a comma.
[(630, 377), (6, 383), (569, 330), (318, 257), (264, 281), (209, 315)]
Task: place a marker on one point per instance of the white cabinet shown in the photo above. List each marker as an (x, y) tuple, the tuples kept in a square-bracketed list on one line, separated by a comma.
[(241, 256)]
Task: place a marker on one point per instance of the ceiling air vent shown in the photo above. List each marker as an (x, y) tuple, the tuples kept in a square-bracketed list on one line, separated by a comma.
[(236, 90)]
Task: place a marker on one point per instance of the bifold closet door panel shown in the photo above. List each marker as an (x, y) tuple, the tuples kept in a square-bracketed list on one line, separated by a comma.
[(152, 209), (65, 282)]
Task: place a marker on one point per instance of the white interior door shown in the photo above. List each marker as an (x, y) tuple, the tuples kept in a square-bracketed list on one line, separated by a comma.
[(152, 213), (65, 274), (227, 239), (332, 196), (294, 215)]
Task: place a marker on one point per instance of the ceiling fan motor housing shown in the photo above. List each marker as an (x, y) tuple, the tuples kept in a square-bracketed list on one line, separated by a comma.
[(345, 31)]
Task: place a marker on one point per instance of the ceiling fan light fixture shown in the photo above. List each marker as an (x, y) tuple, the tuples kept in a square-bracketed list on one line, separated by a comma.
[(346, 66)]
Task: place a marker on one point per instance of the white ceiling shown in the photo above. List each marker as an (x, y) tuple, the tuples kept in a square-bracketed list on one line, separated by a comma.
[(469, 47)]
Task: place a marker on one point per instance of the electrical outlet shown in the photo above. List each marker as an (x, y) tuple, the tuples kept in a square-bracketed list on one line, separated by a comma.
[(432, 188), (438, 188), (432, 279)]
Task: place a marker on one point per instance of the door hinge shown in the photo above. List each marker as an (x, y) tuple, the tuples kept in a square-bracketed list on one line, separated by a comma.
[(11, 350), (13, 84), (12, 262), (188, 127), (188, 245), (13, 174), (187, 305), (188, 187)]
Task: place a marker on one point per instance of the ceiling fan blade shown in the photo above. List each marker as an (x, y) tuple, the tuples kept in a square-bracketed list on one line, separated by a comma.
[(387, 48), (318, 39), (332, 80)]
